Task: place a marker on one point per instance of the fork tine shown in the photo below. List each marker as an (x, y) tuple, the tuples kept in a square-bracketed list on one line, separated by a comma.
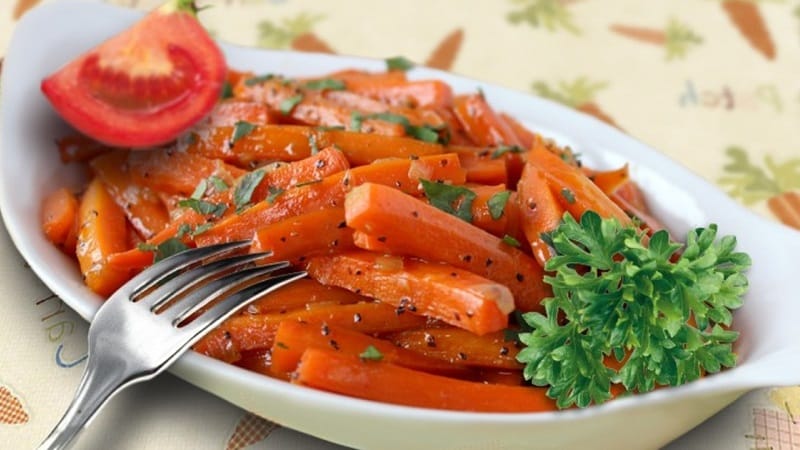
[(229, 305), (186, 280), (194, 300), (172, 264)]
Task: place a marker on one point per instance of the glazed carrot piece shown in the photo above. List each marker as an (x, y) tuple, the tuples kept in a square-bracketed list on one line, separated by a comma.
[(301, 293), (482, 212), (294, 142), (415, 94), (572, 189), (227, 113), (633, 196), (250, 332), (458, 136), (293, 338), (364, 104), (539, 209), (325, 162), (143, 208), (439, 291), (412, 227), (460, 347), (481, 123), (526, 137), (370, 242), (608, 180), (481, 167), (297, 238), (259, 361), (355, 75), (79, 148), (102, 231), (649, 223), (177, 172), (59, 218), (390, 383), (330, 192)]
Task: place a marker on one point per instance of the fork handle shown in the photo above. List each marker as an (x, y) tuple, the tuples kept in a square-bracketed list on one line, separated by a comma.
[(99, 382)]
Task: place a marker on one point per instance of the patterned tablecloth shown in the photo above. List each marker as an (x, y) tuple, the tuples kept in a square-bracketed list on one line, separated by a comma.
[(712, 83)]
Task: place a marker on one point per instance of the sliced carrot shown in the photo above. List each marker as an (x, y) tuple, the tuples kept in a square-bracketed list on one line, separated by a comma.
[(294, 142), (259, 361), (59, 217), (539, 209), (648, 222), (608, 180), (572, 189), (483, 125), (229, 112), (439, 291), (325, 162), (633, 196), (176, 172), (143, 207), (79, 148), (390, 383), (482, 216), (297, 238), (481, 167), (293, 338), (364, 104), (412, 227), (460, 347), (330, 192), (102, 231), (415, 94), (370, 242), (526, 137), (299, 295), (250, 332), (355, 76)]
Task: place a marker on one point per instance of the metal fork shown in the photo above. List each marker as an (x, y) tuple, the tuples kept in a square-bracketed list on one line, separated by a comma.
[(152, 319)]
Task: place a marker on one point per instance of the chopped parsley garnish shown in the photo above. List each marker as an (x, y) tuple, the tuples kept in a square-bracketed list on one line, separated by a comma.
[(218, 183), (510, 240), (165, 249), (306, 183), (426, 133), (288, 104), (258, 80), (330, 128), (455, 200), (200, 190), (497, 204), (227, 91), (274, 192), (241, 129), (371, 354), (399, 63), (204, 207), (503, 149), (245, 187), (326, 84), (617, 294), (312, 144), (568, 195)]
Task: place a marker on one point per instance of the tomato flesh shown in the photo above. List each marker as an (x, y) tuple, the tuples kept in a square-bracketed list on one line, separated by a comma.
[(145, 86)]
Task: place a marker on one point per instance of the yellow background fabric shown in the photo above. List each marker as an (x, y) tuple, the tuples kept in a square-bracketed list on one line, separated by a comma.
[(712, 83)]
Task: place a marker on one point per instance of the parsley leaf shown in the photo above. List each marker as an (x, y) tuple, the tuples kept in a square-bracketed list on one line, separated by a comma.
[(258, 80), (326, 84), (274, 192), (371, 353), (244, 189), (510, 240), (617, 295), (399, 63), (497, 204), (287, 105), (219, 184), (227, 91), (568, 195), (426, 133), (165, 249), (241, 129), (503, 149), (204, 207), (200, 190), (455, 200)]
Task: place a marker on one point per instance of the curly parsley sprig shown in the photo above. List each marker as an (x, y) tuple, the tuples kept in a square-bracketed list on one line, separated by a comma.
[(661, 315)]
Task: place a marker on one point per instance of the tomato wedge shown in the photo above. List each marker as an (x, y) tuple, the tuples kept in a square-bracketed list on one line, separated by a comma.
[(145, 86)]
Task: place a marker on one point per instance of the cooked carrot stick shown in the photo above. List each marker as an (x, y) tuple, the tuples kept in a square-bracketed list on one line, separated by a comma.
[(259, 361), (489, 201), (176, 172), (326, 162), (293, 142), (480, 166), (412, 227), (633, 196), (250, 332), (355, 76), (143, 208), (364, 104), (386, 382), (293, 338), (102, 231), (300, 294), (572, 189), (608, 180), (59, 218), (415, 94), (330, 192), (297, 238), (649, 223), (540, 211), (525, 136), (370, 242), (459, 347), (79, 148), (483, 125), (439, 291), (227, 113)]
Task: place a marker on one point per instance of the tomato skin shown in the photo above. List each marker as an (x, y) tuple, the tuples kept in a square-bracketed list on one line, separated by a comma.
[(145, 86)]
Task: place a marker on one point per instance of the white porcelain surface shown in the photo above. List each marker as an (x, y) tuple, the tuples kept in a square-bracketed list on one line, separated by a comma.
[(769, 348)]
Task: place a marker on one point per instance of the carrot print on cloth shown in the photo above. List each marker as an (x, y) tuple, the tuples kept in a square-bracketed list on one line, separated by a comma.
[(778, 185), (445, 53), (293, 32), (551, 15), (250, 430), (578, 94), (677, 38), (746, 17), (11, 410)]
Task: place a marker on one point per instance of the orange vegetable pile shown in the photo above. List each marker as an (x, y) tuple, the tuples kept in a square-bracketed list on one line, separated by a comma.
[(417, 213)]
